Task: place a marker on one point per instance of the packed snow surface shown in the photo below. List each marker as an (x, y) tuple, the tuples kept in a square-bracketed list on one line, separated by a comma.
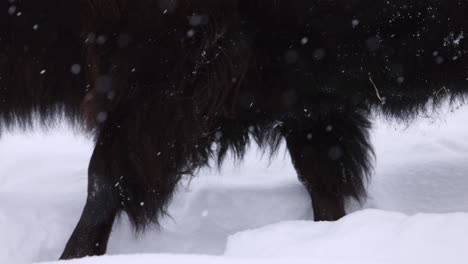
[(369, 236), (255, 212)]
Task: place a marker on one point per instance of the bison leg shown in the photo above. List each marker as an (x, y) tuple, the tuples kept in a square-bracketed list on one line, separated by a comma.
[(91, 235), (331, 155)]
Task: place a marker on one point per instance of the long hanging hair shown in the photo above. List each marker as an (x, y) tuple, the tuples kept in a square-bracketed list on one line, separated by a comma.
[(40, 62)]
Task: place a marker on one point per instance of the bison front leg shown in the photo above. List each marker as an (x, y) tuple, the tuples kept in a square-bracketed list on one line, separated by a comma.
[(92, 233)]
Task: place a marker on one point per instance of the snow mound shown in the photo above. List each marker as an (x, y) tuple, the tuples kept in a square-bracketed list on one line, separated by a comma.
[(366, 235), (369, 236), (419, 169)]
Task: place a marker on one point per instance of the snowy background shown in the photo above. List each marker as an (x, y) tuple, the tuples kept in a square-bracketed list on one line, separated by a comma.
[(255, 212)]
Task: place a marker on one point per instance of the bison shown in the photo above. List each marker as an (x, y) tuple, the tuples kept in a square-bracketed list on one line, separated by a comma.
[(165, 86)]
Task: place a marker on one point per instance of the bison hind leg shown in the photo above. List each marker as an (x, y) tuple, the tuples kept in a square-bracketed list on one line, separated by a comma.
[(332, 156)]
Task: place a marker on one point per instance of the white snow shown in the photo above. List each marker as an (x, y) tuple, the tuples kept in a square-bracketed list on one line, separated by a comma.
[(252, 213)]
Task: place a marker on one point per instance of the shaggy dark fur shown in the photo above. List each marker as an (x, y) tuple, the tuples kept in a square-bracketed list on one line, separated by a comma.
[(167, 85)]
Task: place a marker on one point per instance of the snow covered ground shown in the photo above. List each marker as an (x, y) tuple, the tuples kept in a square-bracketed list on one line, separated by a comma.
[(256, 212)]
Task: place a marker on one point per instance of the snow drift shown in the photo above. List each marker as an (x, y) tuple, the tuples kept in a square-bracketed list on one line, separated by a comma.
[(252, 213), (369, 236)]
